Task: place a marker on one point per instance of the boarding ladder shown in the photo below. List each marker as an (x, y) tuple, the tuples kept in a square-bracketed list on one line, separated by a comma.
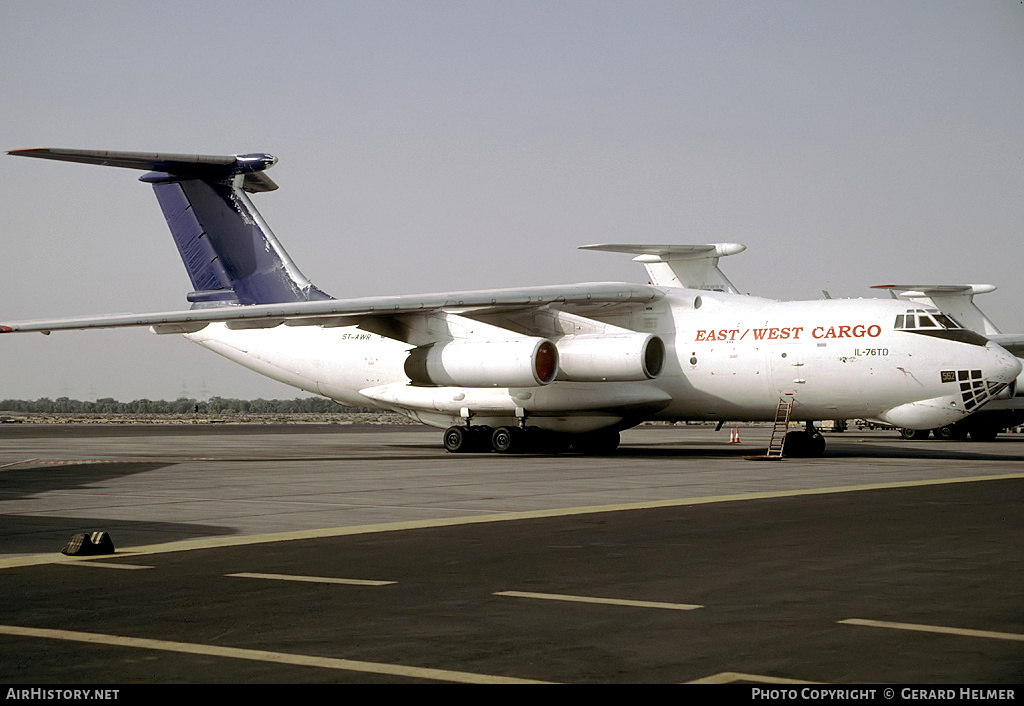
[(781, 426)]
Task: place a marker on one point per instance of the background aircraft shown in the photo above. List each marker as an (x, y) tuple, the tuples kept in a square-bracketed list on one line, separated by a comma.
[(957, 300), (545, 368)]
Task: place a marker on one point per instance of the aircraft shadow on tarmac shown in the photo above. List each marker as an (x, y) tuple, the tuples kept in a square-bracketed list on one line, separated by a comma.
[(24, 534), (35, 534), (948, 451), (34, 478)]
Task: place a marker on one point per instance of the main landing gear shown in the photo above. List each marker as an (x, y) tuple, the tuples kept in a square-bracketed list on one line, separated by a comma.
[(527, 439), (467, 439)]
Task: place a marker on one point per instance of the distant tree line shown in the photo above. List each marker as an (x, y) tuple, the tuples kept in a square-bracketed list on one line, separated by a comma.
[(182, 405)]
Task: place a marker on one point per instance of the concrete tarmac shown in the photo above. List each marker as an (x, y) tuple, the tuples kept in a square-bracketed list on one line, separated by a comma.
[(256, 554)]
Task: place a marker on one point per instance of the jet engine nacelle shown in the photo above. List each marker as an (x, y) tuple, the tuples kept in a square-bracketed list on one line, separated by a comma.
[(517, 362), (618, 358)]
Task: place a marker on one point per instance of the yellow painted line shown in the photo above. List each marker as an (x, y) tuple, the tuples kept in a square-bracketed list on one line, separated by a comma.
[(264, 656), (324, 533), (963, 632), (311, 579), (732, 677), (106, 565), (603, 601)]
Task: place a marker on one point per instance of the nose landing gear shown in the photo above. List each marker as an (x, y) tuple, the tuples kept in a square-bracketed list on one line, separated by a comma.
[(808, 443)]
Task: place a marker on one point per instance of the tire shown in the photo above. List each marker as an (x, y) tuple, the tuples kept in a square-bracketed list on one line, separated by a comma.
[(914, 434), (950, 432), (816, 445), (800, 444), (457, 440), (507, 440), (481, 438), (553, 442)]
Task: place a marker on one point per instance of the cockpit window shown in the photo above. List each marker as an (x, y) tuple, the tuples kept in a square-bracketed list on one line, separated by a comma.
[(932, 322), (925, 319)]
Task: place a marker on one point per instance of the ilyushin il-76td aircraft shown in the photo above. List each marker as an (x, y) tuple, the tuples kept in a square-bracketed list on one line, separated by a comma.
[(547, 369)]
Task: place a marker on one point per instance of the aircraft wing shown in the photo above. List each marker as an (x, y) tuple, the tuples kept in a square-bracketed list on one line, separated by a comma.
[(345, 312), (1013, 342)]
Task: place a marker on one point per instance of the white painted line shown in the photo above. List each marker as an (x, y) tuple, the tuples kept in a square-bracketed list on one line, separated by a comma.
[(964, 632), (264, 656), (311, 579), (604, 601)]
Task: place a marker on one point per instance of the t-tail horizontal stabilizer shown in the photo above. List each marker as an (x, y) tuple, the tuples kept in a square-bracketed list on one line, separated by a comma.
[(689, 266), (230, 253), (957, 300)]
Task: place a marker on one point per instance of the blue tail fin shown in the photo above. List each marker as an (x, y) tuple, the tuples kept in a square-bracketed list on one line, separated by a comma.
[(231, 255)]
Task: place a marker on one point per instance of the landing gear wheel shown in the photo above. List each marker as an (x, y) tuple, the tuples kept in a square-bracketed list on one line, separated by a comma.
[(804, 444), (467, 439), (508, 440), (481, 437), (553, 442), (817, 445), (950, 432), (914, 434), (458, 440)]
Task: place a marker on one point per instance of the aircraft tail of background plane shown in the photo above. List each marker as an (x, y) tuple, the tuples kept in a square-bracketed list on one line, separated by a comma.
[(230, 253), (957, 300)]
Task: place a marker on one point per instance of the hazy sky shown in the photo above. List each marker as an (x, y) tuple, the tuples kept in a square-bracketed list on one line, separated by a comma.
[(428, 146)]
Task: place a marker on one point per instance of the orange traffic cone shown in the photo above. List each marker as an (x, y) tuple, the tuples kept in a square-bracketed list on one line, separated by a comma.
[(734, 435)]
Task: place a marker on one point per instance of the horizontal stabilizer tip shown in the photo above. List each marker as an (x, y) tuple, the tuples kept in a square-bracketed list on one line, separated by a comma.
[(194, 166), (926, 290)]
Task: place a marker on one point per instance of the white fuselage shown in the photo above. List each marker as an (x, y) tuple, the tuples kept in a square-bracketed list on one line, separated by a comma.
[(729, 357)]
